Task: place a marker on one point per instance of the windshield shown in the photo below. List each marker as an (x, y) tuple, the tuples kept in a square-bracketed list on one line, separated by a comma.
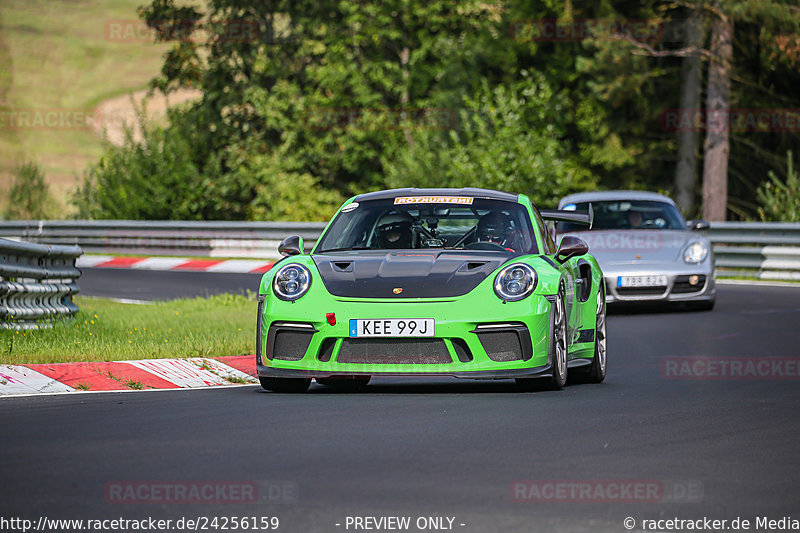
[(628, 214), (460, 223)]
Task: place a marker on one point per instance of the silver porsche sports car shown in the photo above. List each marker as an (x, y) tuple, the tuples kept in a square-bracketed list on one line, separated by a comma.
[(647, 251)]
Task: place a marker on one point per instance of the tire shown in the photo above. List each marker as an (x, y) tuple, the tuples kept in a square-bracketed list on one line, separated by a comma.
[(346, 384), (290, 385), (558, 375), (597, 371)]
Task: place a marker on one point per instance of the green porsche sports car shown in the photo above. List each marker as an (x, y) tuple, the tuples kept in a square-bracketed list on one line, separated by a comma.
[(433, 282)]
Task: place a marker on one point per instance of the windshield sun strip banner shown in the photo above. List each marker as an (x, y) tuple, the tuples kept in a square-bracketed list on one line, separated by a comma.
[(462, 200)]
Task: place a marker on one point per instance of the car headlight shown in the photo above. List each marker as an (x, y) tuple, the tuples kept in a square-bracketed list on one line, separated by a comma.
[(515, 282), (695, 253), (291, 282)]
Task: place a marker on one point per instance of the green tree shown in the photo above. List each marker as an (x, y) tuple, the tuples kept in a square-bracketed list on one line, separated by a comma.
[(780, 199), (610, 119), (153, 179), (334, 97), (29, 196), (508, 139), (749, 67), (253, 134)]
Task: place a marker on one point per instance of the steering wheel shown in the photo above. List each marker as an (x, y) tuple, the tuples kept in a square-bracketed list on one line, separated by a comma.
[(485, 245)]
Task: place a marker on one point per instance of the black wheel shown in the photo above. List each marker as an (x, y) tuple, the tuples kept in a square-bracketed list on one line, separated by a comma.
[(348, 384), (597, 372), (558, 375), (285, 384)]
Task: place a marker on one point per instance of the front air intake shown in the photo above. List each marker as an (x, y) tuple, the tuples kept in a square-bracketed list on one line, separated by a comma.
[(394, 352), (505, 342), (501, 346), (289, 341)]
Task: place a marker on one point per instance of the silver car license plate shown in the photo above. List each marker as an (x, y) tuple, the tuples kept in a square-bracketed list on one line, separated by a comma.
[(642, 281)]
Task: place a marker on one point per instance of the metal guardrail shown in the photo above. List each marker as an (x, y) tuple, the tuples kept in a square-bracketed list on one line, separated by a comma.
[(37, 283), (763, 250), (134, 237)]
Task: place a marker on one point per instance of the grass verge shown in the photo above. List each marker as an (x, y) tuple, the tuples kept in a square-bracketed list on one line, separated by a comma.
[(105, 330)]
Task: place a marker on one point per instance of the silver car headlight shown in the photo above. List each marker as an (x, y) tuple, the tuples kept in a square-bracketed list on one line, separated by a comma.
[(515, 282), (695, 253), (291, 282)]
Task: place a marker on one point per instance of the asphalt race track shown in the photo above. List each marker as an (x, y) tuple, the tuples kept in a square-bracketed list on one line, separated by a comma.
[(714, 447), (161, 285)]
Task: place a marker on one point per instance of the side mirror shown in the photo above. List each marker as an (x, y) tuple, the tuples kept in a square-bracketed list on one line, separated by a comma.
[(698, 225), (291, 246), (571, 246)]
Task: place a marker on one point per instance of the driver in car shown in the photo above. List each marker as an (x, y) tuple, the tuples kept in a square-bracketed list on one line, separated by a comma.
[(496, 227), (635, 220), (394, 232)]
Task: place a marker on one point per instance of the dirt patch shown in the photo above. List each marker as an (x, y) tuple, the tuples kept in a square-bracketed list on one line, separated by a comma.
[(115, 113)]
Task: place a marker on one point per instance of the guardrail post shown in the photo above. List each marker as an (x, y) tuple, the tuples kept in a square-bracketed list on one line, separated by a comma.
[(37, 283)]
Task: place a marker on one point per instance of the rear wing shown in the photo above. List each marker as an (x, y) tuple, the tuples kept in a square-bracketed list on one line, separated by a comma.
[(576, 217)]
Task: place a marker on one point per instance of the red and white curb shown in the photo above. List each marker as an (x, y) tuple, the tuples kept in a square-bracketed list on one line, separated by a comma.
[(244, 266), (145, 374)]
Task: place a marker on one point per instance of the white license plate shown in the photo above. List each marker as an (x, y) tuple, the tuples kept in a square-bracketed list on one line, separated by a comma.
[(641, 281), (391, 327)]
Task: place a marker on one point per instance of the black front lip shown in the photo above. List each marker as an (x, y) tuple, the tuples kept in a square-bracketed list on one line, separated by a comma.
[(535, 372), (539, 371)]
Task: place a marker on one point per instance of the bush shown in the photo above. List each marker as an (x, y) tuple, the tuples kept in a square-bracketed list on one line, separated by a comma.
[(779, 199), (29, 196), (152, 179), (290, 195), (171, 175)]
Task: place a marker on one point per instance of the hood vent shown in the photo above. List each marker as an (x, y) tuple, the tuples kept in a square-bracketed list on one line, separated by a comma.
[(472, 265), (342, 266)]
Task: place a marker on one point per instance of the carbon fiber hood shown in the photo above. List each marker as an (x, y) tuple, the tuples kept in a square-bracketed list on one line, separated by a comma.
[(417, 274)]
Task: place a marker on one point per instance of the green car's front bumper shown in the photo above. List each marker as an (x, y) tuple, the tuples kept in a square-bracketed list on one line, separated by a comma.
[(475, 337)]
